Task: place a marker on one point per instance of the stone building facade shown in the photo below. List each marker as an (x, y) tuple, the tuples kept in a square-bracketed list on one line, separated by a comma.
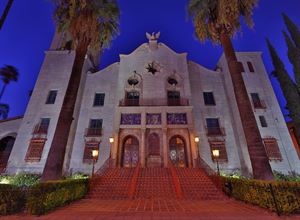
[(153, 107)]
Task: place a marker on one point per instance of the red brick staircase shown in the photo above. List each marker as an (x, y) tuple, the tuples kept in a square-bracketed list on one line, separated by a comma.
[(154, 183), (113, 184), (196, 185)]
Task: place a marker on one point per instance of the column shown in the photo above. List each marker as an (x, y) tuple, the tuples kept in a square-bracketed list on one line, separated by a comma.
[(193, 147), (115, 147), (142, 154), (165, 147)]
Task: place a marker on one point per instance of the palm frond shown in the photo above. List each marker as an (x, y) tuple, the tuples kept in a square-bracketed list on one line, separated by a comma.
[(213, 17), (4, 110), (95, 21), (9, 73)]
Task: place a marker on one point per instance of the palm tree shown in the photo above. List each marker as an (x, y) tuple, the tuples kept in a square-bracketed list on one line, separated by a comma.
[(8, 73), (5, 12), (218, 21), (4, 109), (86, 21)]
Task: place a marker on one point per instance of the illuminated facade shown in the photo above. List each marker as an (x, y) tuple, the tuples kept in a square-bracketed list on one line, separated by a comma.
[(153, 107)]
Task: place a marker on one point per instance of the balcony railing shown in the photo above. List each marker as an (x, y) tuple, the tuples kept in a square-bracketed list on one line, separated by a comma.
[(93, 132), (215, 131), (131, 102), (40, 129), (154, 102), (259, 104)]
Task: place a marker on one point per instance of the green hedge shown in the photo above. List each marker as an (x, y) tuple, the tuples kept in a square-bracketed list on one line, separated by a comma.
[(46, 196), (280, 196), (12, 199)]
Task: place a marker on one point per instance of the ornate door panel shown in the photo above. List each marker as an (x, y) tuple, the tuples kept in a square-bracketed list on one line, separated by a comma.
[(177, 152), (153, 144), (131, 152)]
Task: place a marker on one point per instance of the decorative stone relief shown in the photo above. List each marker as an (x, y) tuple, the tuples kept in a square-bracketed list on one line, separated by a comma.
[(153, 67), (130, 119), (153, 119), (176, 118)]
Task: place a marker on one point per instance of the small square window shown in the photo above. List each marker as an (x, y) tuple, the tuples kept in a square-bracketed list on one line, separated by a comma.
[(95, 123), (213, 127), (209, 98), (45, 122), (218, 145), (263, 121), (212, 123), (51, 97), (173, 95), (35, 150), (272, 149), (88, 149), (241, 67), (250, 66), (99, 99)]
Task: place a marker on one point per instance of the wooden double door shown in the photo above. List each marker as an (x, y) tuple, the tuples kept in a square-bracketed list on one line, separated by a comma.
[(177, 151), (130, 152)]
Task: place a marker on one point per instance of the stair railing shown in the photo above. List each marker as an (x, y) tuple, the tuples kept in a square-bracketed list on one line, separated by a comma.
[(109, 163), (176, 181), (133, 182), (212, 174)]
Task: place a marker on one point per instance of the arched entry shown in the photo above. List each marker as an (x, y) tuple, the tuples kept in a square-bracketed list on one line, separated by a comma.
[(6, 145), (153, 145), (177, 152), (130, 156)]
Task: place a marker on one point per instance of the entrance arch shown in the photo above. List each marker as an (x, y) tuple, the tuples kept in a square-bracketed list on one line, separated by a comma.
[(130, 157), (6, 145), (153, 145), (177, 151)]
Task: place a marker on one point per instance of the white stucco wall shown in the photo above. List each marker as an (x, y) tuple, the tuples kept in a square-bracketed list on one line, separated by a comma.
[(258, 82), (57, 65), (10, 127), (104, 81)]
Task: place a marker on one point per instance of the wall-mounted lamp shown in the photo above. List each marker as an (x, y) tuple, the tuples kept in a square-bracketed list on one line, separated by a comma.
[(197, 139), (216, 154), (95, 154), (111, 140)]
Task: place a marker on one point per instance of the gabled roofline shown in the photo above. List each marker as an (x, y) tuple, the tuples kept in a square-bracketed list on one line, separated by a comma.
[(12, 119)]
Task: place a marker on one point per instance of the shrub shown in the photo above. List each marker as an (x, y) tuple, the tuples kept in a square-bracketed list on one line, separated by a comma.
[(22, 179), (292, 176), (282, 197), (46, 196), (12, 199), (78, 176)]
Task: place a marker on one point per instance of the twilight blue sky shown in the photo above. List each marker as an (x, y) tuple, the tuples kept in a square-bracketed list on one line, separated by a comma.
[(28, 32)]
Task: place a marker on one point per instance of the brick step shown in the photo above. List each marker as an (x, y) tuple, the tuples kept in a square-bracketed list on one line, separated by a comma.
[(196, 185), (113, 184), (154, 182)]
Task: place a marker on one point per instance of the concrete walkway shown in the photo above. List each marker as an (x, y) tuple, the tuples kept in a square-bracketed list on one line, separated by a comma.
[(89, 209)]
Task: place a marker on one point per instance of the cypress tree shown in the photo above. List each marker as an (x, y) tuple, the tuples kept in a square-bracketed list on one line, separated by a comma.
[(293, 29), (294, 57), (288, 87)]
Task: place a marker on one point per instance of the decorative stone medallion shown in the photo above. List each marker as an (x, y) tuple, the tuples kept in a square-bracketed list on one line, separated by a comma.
[(153, 67)]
